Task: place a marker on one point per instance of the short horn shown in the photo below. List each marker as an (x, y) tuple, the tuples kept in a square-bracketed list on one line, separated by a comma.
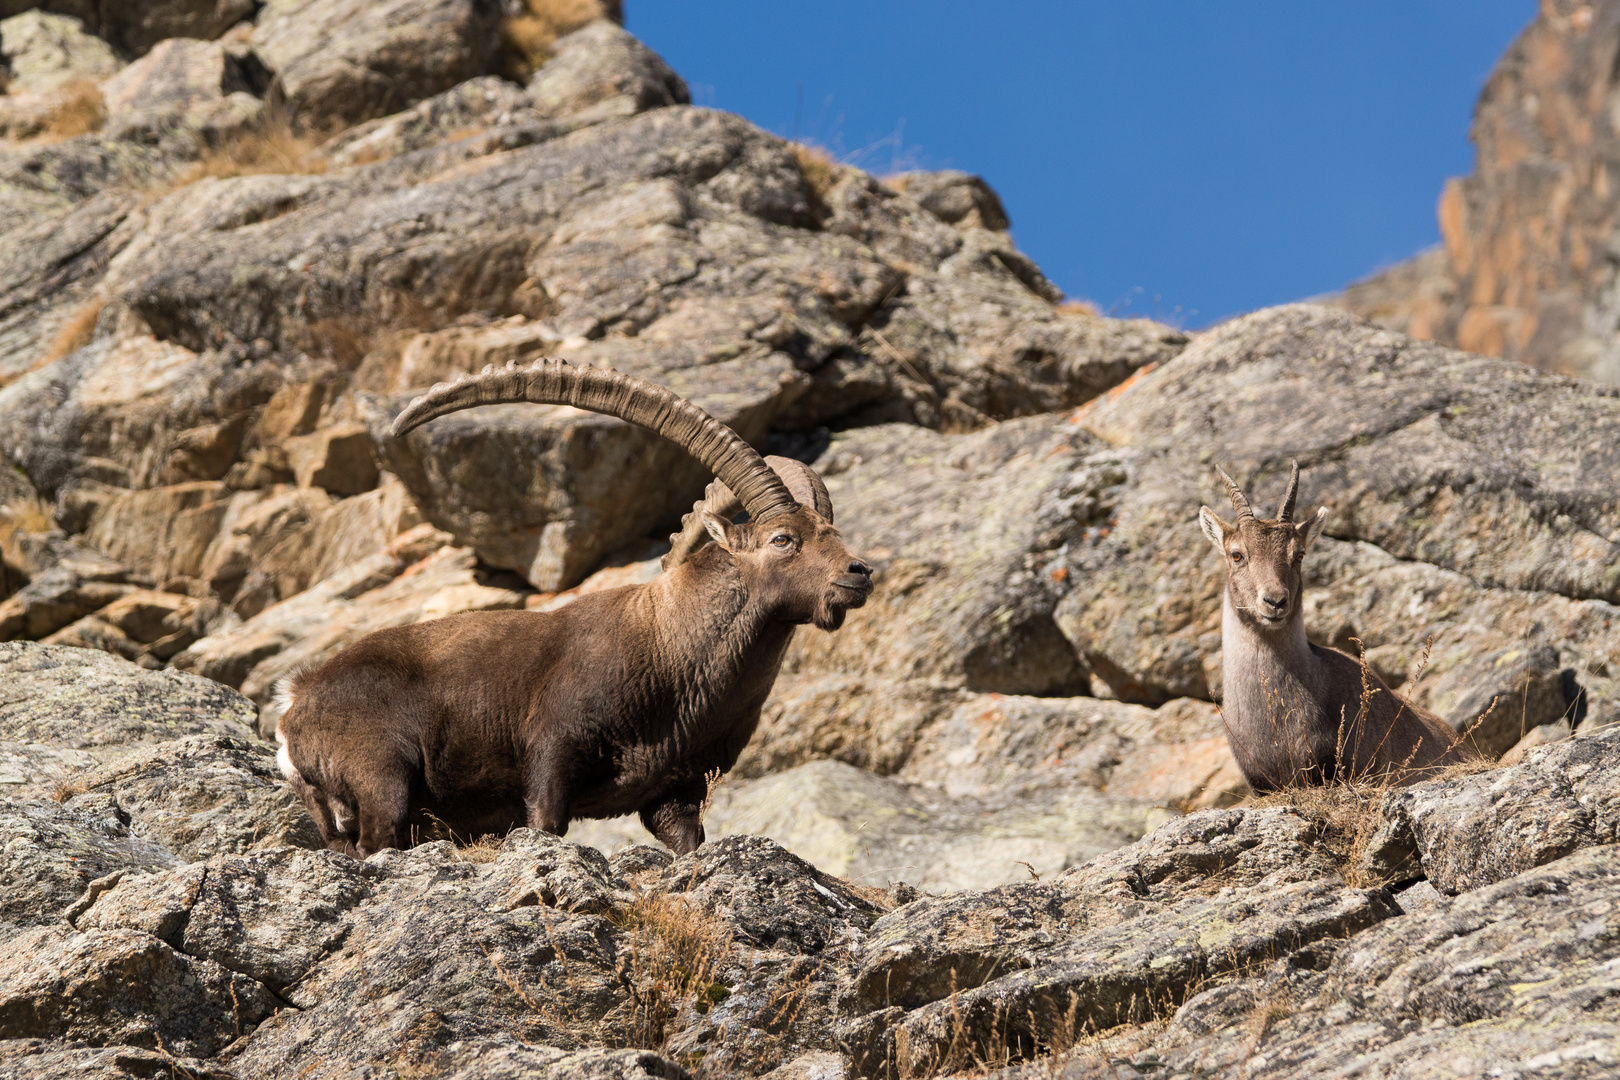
[(555, 382), (805, 485), (1239, 503), (1285, 512)]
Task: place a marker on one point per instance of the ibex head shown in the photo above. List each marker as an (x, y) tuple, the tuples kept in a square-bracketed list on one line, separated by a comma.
[(792, 560), (1263, 558), (796, 564)]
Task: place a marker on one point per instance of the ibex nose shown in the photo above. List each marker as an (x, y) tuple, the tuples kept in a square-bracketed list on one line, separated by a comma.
[(1277, 603), (858, 567)]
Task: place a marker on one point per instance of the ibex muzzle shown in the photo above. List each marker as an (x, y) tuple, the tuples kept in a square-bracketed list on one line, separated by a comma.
[(1295, 712), (623, 701)]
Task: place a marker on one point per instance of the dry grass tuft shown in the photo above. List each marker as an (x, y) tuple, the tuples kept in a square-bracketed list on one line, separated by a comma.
[(1084, 309), (272, 146), (672, 961), (79, 110), (68, 786), (528, 40), (73, 335), (820, 172), (485, 849)]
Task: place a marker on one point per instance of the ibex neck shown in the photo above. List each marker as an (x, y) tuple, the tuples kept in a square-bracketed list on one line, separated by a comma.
[(1265, 674), (707, 623)]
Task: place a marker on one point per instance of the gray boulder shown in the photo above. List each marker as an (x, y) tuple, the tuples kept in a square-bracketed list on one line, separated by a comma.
[(42, 51), (200, 796), (1475, 830), (602, 71), (99, 710), (353, 60)]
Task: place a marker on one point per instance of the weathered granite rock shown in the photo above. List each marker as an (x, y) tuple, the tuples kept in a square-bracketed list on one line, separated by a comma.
[(353, 60), (122, 986), (1110, 943), (601, 70), (476, 105), (183, 87), (876, 831), (955, 197), (1514, 975), (23, 1059), (64, 709), (61, 593), (1411, 469), (135, 28), (309, 538), (395, 587), (42, 51), (1478, 829), (201, 796), (270, 916), (49, 855)]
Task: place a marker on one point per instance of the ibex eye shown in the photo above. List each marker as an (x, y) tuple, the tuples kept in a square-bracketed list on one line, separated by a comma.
[(1237, 556), (781, 539)]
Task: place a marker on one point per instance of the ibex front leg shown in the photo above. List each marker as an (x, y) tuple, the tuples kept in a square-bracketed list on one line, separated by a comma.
[(548, 787)]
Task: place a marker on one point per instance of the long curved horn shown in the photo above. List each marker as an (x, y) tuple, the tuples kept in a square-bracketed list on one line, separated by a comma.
[(805, 485), (556, 382), (1238, 501), (1285, 512)]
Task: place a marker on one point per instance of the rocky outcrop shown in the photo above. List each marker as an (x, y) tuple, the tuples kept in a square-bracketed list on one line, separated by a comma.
[(1437, 443), (989, 820), (1524, 272)]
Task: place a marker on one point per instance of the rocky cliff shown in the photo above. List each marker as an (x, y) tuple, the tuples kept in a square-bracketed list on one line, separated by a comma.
[(992, 819), (1527, 266)]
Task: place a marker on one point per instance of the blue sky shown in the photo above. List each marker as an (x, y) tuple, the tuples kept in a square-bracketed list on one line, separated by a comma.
[(1185, 159)]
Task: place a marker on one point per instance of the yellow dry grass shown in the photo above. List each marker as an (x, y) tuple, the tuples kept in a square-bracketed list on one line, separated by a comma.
[(79, 110), (273, 146), (74, 334), (1085, 309), (819, 169), (527, 40)]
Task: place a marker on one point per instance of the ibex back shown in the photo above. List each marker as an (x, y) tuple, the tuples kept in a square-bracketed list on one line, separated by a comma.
[(623, 701), (1295, 712)]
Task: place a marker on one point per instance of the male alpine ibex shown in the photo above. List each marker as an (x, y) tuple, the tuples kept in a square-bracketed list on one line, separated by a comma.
[(622, 701), (1298, 713)]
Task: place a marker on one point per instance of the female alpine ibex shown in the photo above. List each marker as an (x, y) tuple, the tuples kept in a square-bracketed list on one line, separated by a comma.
[(1298, 713), (622, 701)]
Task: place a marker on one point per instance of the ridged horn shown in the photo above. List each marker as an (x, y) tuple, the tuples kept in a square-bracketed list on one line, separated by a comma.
[(718, 500), (806, 486), (1239, 503), (1285, 512), (556, 382)]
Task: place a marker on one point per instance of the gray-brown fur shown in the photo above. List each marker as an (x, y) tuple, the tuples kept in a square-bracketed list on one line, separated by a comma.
[(621, 701), (1296, 712)]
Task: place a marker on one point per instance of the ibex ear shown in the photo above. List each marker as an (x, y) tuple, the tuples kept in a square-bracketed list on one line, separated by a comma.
[(1214, 528), (721, 531), (1309, 531)]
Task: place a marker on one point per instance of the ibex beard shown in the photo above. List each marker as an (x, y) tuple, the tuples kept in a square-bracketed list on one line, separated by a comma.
[(623, 701)]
